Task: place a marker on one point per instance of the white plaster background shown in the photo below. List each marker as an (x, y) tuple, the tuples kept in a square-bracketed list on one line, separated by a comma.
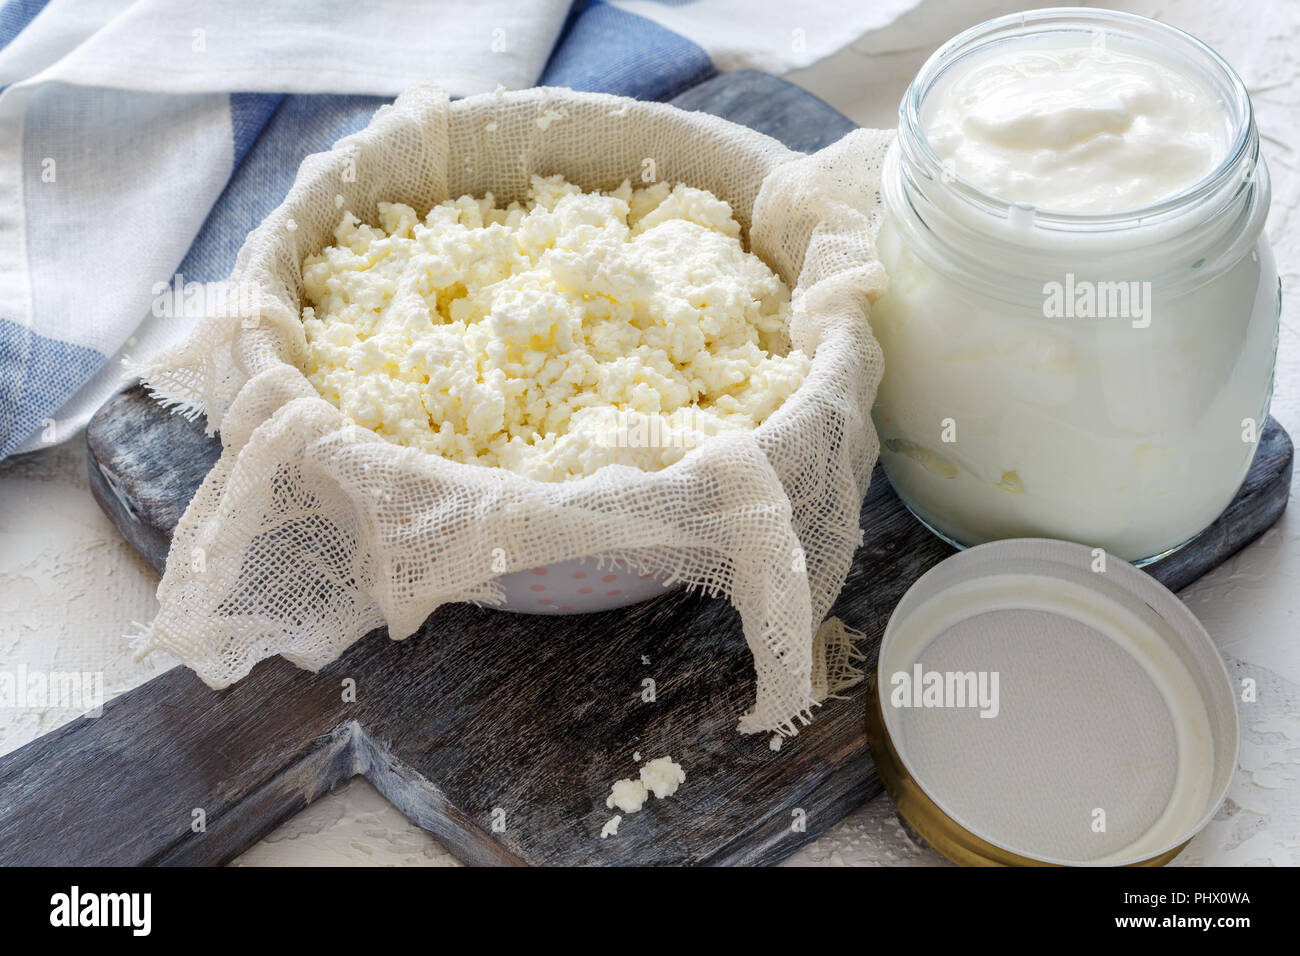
[(70, 587)]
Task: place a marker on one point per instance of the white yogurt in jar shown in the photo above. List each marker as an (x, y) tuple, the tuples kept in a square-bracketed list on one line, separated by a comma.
[(1070, 125), (1062, 357)]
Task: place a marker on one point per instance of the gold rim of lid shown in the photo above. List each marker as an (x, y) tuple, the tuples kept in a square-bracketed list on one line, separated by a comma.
[(926, 817)]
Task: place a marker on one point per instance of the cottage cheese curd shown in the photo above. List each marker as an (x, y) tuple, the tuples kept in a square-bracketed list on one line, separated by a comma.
[(628, 795), (661, 776), (551, 337)]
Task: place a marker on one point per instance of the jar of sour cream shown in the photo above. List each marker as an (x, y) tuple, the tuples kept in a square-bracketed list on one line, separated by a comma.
[(1082, 319)]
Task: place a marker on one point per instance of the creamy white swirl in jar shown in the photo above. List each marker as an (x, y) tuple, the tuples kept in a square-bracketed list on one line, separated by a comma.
[(1082, 322)]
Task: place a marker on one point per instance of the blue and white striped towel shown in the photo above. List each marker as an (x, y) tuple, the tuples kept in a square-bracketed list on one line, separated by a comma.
[(141, 140)]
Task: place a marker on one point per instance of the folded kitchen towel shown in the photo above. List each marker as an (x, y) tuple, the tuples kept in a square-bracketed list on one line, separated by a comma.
[(141, 141)]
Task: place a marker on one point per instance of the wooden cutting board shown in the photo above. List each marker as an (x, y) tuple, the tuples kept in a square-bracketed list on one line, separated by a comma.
[(499, 733)]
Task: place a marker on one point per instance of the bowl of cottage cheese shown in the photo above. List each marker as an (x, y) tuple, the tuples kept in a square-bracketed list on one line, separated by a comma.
[(553, 336), (545, 351)]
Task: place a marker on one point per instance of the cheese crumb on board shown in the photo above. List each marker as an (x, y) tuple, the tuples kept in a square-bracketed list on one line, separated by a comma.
[(775, 742), (662, 777), (611, 826), (551, 337), (628, 795)]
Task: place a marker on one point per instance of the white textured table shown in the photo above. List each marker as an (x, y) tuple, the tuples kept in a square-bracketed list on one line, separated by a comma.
[(70, 587)]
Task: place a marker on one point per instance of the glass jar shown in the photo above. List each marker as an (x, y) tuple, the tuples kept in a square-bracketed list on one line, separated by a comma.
[(1003, 414)]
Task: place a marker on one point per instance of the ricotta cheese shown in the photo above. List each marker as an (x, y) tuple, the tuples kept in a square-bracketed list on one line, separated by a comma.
[(551, 337)]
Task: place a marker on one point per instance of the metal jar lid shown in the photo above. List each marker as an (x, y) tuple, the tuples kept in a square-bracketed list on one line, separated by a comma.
[(1038, 702)]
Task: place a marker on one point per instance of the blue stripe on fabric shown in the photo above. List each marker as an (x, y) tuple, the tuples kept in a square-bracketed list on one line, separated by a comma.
[(302, 124), (37, 375), (576, 9), (14, 17), (249, 112), (612, 51)]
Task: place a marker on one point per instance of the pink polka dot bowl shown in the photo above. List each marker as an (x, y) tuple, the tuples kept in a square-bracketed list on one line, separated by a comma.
[(578, 587)]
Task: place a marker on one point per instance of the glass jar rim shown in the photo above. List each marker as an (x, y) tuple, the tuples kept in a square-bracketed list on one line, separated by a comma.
[(1054, 19)]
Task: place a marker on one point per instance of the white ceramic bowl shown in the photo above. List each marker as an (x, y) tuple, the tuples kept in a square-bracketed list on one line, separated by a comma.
[(578, 587)]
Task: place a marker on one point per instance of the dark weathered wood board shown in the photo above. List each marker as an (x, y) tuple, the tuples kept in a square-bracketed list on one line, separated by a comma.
[(485, 717)]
